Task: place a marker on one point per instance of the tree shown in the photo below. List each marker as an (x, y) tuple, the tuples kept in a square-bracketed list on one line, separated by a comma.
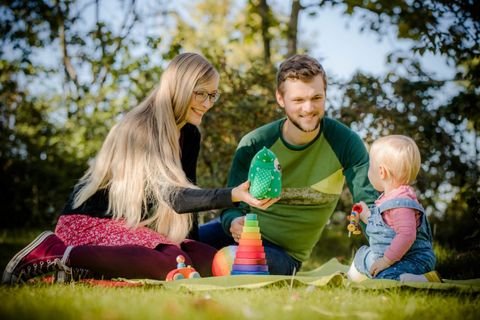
[(68, 72), (56, 110)]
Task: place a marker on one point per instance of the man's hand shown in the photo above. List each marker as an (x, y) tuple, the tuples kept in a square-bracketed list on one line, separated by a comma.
[(379, 265), (240, 193), (236, 228)]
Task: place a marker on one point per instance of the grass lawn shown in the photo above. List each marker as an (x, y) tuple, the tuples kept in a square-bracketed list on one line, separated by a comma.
[(78, 301), (82, 301)]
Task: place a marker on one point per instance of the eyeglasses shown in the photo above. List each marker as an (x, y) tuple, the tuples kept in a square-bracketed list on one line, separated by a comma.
[(201, 96)]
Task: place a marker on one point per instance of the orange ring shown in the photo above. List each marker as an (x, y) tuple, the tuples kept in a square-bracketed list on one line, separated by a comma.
[(251, 235), (250, 242), (247, 249), (250, 255)]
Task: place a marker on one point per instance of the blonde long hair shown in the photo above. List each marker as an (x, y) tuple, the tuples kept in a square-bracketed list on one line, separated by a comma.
[(139, 162)]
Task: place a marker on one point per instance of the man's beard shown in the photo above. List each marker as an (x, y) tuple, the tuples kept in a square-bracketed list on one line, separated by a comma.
[(299, 127)]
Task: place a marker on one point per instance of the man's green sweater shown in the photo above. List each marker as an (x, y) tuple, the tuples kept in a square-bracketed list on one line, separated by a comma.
[(313, 176)]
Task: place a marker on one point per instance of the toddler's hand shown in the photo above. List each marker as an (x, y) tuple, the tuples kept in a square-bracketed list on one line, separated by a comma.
[(365, 212), (379, 265)]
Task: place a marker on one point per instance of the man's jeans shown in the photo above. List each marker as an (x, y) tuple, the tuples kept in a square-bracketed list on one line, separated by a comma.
[(279, 262)]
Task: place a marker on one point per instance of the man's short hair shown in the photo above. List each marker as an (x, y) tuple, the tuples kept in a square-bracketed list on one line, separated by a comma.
[(300, 67)]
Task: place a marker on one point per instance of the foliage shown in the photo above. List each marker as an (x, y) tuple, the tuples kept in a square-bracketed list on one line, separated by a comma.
[(68, 72), (55, 114)]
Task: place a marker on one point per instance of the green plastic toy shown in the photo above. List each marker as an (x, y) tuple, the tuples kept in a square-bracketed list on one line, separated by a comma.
[(265, 175)]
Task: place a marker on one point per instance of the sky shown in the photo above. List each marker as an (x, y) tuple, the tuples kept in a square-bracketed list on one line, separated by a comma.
[(335, 39), (331, 37)]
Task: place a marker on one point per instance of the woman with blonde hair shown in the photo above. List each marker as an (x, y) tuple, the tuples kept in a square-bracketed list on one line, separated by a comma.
[(131, 213)]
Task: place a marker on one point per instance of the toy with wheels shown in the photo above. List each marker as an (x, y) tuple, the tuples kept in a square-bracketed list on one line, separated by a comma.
[(182, 271), (354, 217)]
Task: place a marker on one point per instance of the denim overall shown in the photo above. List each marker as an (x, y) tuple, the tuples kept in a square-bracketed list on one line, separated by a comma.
[(419, 259)]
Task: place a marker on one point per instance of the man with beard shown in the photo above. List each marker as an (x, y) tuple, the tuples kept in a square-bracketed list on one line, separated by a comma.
[(316, 154)]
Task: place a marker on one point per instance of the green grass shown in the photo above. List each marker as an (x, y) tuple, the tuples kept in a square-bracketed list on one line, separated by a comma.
[(78, 301), (82, 301)]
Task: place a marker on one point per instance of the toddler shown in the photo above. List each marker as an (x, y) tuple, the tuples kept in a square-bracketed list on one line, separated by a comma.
[(400, 239)]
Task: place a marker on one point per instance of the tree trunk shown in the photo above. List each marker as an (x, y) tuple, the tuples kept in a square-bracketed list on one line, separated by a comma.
[(264, 11), (292, 28)]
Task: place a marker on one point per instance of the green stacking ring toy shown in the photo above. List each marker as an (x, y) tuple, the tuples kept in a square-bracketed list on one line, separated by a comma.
[(265, 175)]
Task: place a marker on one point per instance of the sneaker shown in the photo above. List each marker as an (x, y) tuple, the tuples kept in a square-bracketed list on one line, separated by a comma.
[(73, 274), (69, 274), (47, 253), (432, 276)]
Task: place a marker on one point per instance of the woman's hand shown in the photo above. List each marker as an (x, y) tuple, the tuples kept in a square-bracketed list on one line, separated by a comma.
[(240, 193)]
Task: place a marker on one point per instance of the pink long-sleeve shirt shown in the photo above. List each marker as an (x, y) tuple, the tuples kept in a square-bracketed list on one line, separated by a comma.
[(403, 221)]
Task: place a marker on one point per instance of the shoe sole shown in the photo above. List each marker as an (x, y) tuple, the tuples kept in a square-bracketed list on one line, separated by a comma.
[(12, 264)]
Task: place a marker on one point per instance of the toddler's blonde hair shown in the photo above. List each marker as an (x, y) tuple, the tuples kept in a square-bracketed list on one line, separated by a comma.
[(399, 155)]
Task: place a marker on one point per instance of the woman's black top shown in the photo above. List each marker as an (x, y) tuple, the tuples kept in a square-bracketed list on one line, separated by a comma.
[(185, 200)]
